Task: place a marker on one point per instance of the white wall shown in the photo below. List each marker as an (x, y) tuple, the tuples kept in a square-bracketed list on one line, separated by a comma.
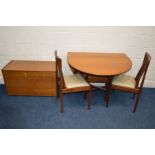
[(38, 43)]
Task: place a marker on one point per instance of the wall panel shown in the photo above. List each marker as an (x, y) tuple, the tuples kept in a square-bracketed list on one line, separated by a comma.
[(38, 43)]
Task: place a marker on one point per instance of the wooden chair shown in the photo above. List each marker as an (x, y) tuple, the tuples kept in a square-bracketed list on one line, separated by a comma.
[(70, 83), (130, 84)]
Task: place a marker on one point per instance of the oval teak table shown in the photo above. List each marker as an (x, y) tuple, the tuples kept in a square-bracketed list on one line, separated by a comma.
[(100, 64)]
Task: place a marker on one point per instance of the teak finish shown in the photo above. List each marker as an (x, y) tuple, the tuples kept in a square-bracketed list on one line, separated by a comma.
[(99, 67), (24, 65), (36, 78), (61, 84), (100, 64)]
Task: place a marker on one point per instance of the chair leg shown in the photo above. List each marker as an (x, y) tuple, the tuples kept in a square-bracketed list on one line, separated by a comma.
[(58, 93), (62, 102), (133, 97), (89, 100), (136, 103), (58, 90)]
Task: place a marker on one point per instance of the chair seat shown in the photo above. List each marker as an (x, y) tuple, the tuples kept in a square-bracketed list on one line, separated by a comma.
[(75, 80), (124, 81)]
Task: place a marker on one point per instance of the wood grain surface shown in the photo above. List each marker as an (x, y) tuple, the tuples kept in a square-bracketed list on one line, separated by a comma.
[(35, 78), (26, 65), (100, 64)]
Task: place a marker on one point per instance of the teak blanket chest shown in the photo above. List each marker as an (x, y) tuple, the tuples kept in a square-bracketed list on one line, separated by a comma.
[(34, 78)]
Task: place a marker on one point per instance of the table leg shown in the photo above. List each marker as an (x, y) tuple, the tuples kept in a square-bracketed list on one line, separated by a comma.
[(108, 91)]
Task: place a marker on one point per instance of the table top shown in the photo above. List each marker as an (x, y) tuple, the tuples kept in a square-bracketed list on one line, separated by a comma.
[(24, 65), (100, 64)]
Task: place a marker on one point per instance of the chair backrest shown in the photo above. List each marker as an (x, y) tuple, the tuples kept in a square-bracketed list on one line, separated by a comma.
[(143, 70), (59, 72)]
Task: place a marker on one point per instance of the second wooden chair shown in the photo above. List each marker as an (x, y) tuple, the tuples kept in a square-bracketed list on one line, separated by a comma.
[(130, 84)]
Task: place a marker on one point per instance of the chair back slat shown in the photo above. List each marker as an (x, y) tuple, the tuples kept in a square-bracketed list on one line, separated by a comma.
[(59, 72), (143, 70)]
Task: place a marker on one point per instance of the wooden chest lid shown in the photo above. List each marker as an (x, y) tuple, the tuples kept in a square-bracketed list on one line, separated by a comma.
[(27, 65)]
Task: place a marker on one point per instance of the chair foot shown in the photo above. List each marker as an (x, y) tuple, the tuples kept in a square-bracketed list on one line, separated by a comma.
[(133, 111), (107, 104)]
